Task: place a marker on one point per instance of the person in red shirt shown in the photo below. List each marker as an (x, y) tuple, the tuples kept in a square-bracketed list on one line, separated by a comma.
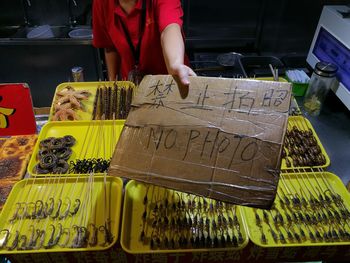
[(141, 37)]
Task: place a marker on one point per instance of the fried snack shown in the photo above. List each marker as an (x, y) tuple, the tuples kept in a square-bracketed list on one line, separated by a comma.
[(5, 189), (14, 156)]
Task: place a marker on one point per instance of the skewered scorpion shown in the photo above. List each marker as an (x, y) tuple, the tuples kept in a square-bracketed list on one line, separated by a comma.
[(32, 214), (51, 237), (81, 238), (58, 236), (39, 209), (108, 237), (16, 213), (42, 239), (23, 246), (67, 232), (25, 213), (14, 242), (93, 241), (6, 238), (59, 204), (33, 237), (66, 212), (49, 209), (75, 207), (53, 241)]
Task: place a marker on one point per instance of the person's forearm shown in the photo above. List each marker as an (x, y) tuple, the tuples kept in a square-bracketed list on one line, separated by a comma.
[(174, 53), (111, 57), (173, 46)]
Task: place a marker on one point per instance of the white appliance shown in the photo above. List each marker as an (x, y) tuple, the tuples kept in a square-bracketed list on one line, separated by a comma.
[(331, 43)]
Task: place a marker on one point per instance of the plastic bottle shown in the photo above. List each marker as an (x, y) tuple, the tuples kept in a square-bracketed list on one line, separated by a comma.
[(320, 83), (78, 74)]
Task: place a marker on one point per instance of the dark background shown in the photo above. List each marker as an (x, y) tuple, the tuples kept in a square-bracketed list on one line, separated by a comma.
[(251, 27), (248, 25)]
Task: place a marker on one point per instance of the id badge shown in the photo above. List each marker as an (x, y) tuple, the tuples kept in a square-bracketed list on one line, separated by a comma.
[(135, 75)]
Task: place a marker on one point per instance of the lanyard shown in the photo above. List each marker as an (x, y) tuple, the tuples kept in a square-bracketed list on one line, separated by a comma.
[(136, 51)]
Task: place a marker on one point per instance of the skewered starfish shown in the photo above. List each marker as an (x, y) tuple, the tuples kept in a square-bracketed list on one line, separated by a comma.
[(69, 99)]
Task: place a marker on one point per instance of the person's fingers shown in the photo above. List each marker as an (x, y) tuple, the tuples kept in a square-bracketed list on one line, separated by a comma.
[(188, 72), (183, 75), (183, 72), (191, 72), (185, 81)]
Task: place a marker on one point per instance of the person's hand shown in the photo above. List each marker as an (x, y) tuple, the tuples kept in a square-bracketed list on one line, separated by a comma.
[(182, 72)]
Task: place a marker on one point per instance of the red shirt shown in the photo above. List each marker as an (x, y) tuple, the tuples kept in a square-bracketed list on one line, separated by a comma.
[(108, 31)]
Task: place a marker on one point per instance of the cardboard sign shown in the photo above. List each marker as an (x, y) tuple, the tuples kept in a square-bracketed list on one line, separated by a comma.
[(223, 140), (16, 110)]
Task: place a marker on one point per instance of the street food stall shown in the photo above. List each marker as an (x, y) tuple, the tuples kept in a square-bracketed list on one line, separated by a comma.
[(238, 167)]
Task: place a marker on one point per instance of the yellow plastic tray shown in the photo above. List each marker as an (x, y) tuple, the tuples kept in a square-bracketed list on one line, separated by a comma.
[(271, 79), (132, 222), (303, 124), (289, 185), (93, 139), (88, 104), (100, 200)]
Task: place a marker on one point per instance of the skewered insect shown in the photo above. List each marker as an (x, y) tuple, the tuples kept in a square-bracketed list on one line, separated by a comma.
[(39, 209), (49, 206), (14, 242), (52, 236), (15, 214), (59, 204), (66, 211), (108, 237), (5, 238), (35, 233), (75, 207), (94, 237), (58, 236), (66, 231), (22, 246), (81, 237)]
